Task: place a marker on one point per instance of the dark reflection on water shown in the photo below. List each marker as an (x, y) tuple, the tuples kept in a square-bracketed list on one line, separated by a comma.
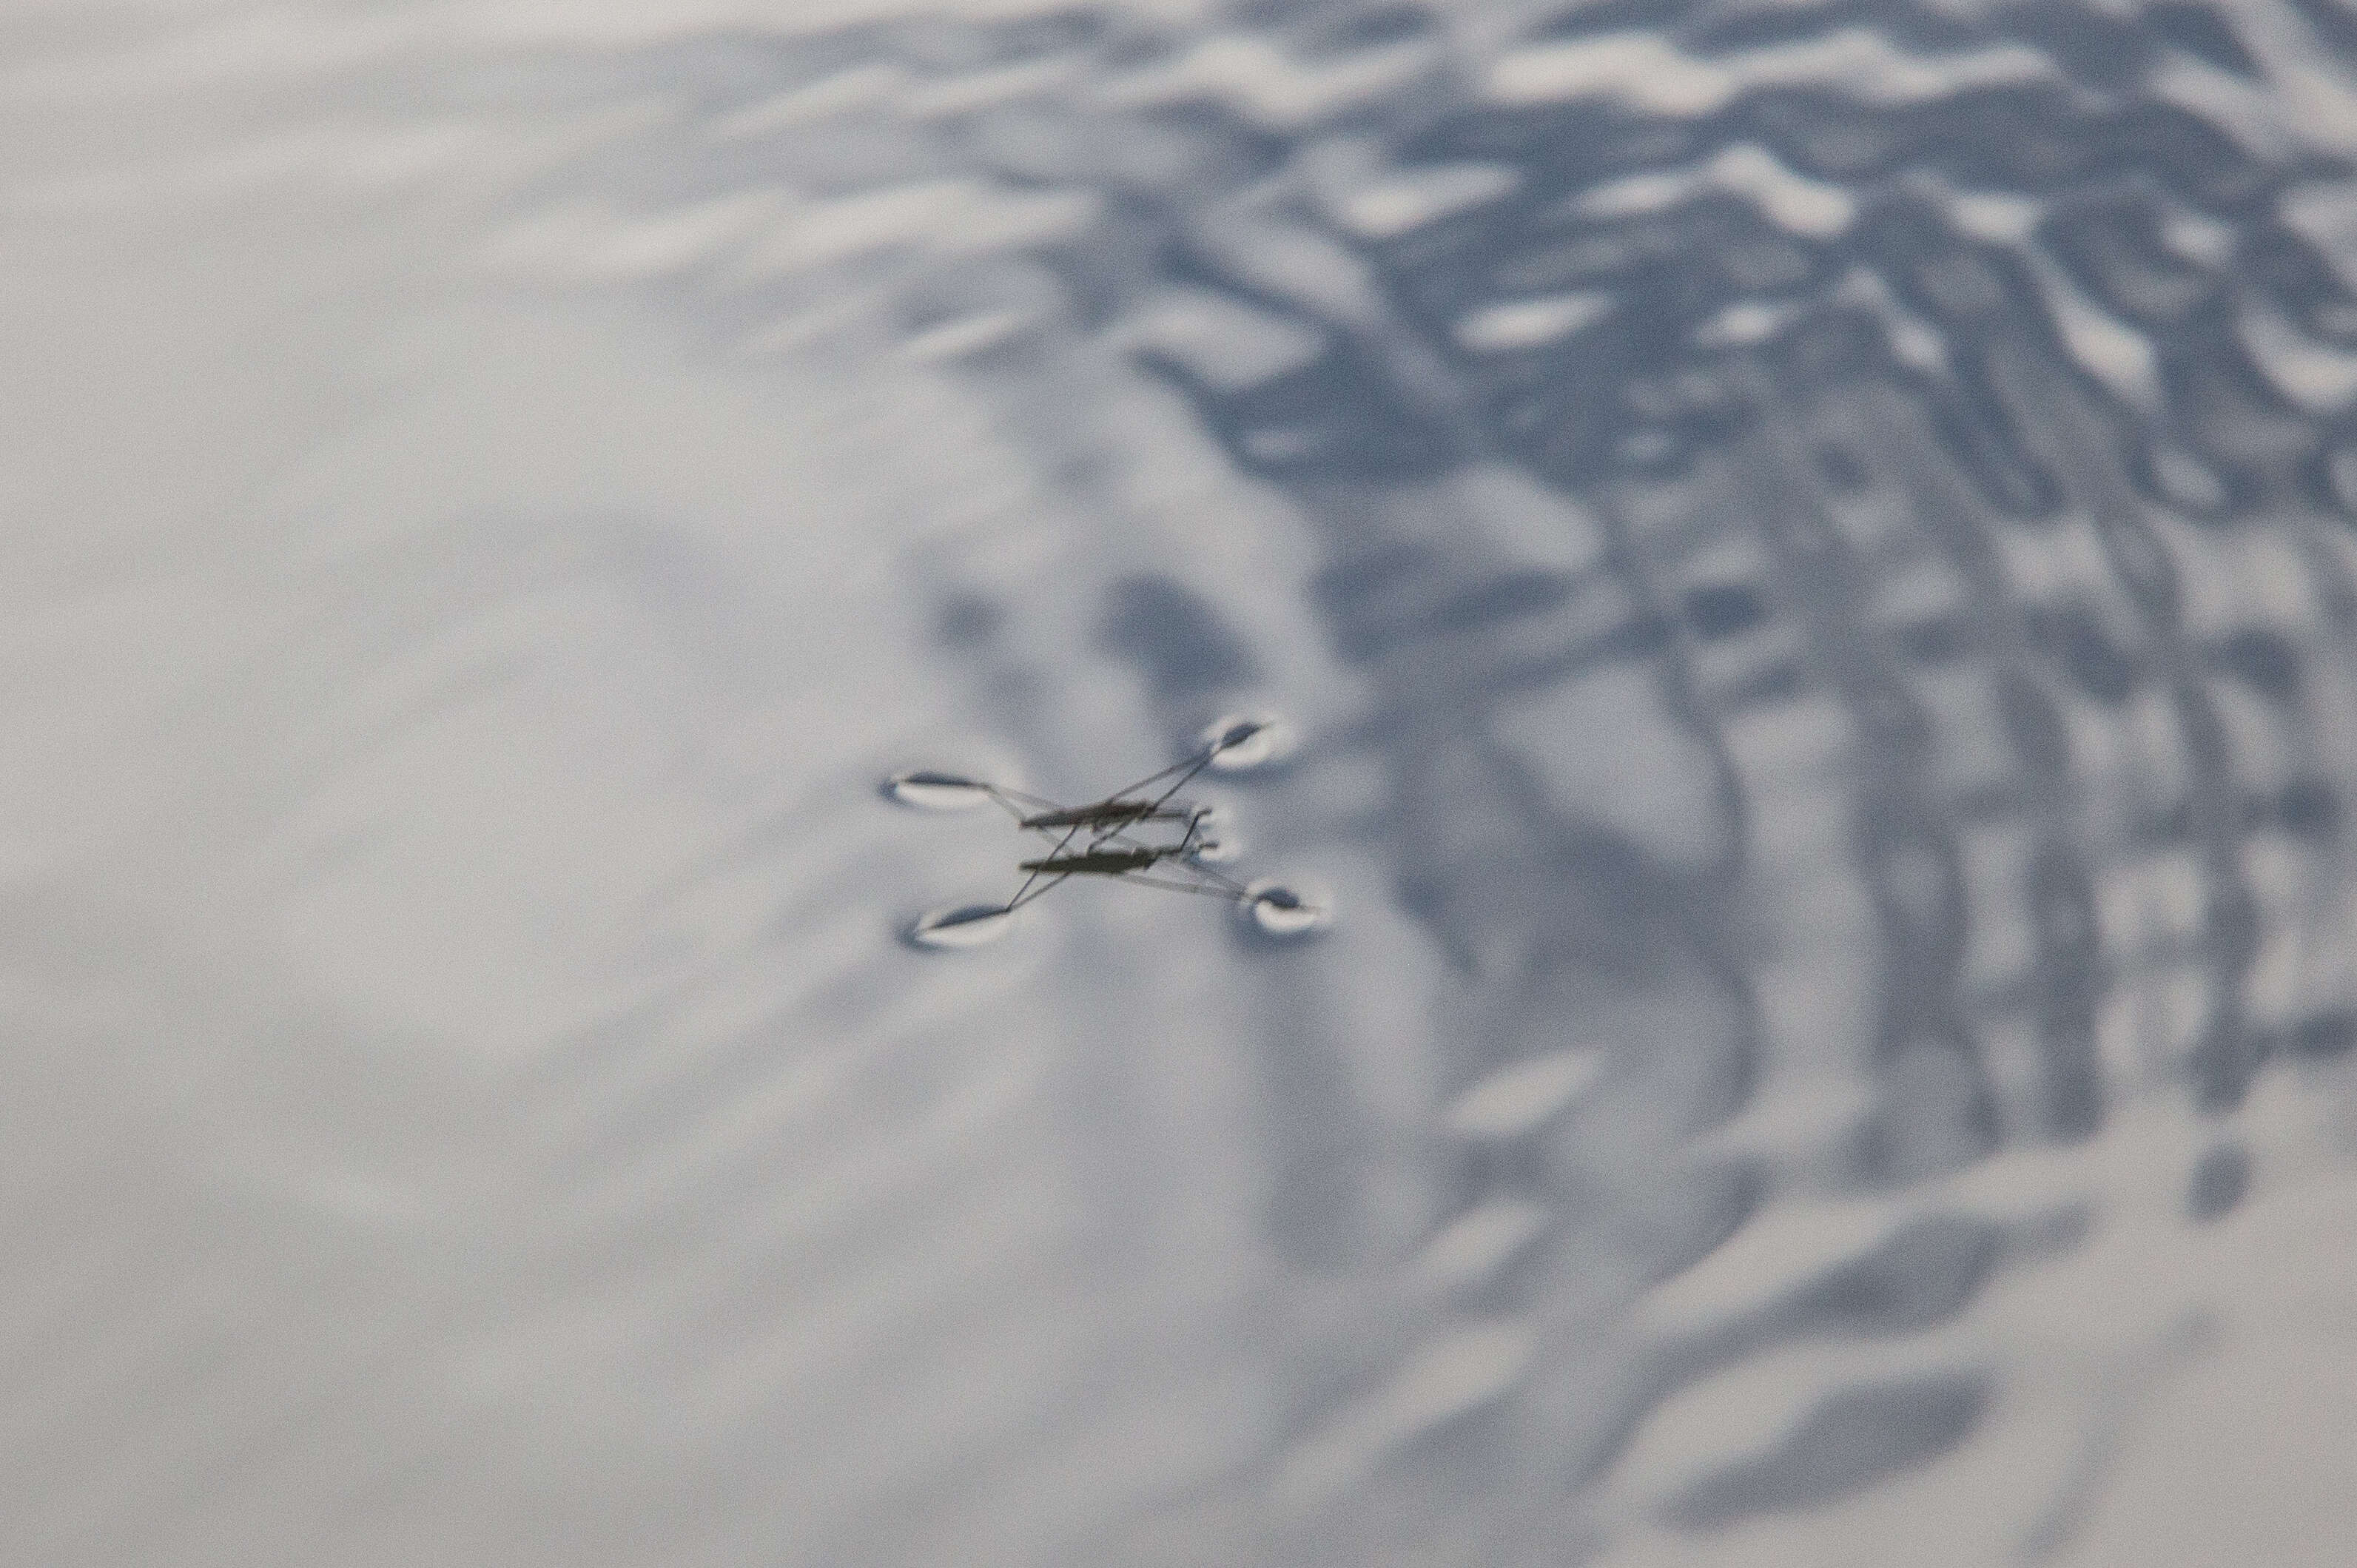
[(1175, 638), (1854, 1439)]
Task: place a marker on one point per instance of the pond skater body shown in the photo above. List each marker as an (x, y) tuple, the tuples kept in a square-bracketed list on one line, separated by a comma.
[(1095, 840)]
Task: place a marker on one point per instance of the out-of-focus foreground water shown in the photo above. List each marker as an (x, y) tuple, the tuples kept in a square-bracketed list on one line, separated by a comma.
[(1812, 551)]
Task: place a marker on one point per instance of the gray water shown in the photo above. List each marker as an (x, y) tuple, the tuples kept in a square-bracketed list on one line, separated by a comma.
[(1810, 553)]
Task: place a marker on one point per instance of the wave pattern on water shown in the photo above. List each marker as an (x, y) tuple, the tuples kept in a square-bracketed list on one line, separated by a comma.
[(1813, 555), (1895, 379)]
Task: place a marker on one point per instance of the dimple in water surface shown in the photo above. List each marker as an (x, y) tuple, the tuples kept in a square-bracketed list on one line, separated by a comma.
[(967, 926)]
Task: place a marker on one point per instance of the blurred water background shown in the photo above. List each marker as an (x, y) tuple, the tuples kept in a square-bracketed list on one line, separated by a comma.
[(1812, 552)]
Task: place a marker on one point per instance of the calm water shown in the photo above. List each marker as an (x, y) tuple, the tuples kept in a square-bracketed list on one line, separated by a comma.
[(1807, 559)]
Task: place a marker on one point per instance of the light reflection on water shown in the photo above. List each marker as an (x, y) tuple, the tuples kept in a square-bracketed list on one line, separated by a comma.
[(1806, 558)]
